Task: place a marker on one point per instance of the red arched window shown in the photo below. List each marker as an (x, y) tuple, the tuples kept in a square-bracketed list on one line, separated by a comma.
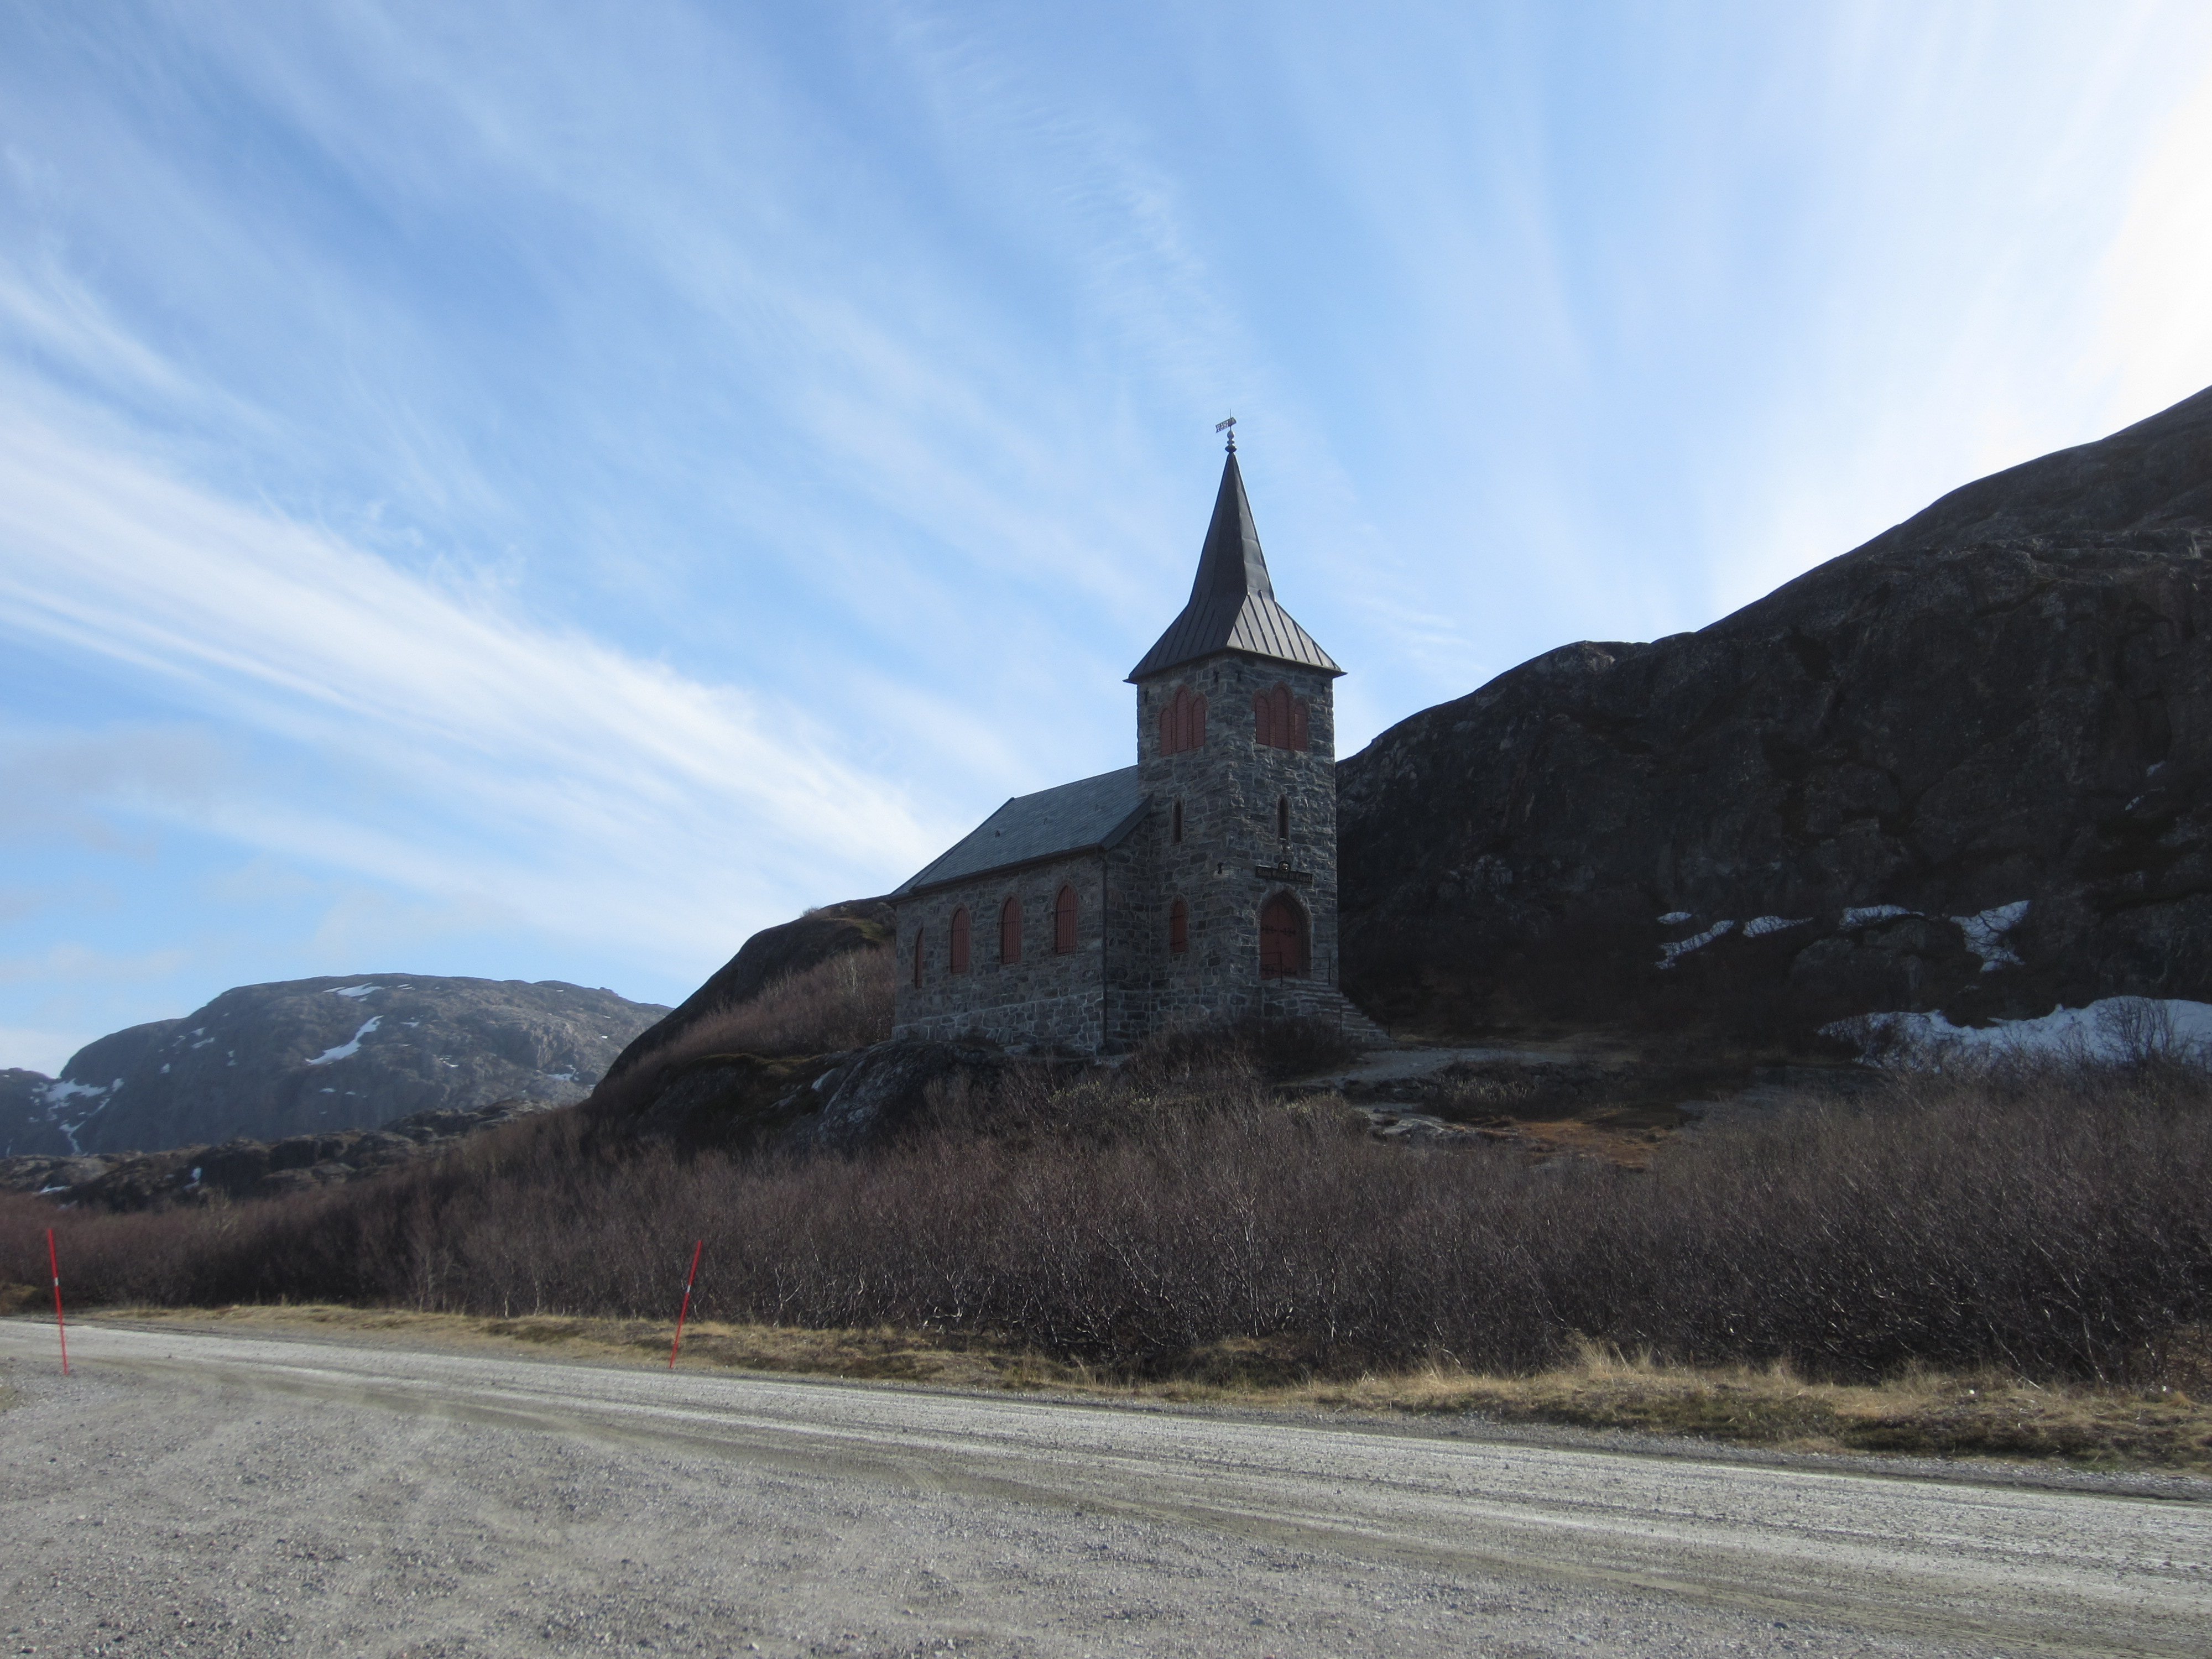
[(960, 940), (917, 958), (1178, 823), (1182, 721), (1178, 928), (1063, 922), (1010, 931), (1283, 950), (1278, 719)]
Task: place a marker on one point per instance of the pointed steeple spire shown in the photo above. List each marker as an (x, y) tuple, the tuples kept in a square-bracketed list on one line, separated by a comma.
[(1232, 601)]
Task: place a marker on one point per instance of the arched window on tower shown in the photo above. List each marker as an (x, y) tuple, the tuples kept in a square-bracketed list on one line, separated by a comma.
[(1182, 721), (1283, 949), (1010, 931), (959, 953), (917, 958), (1063, 922), (1178, 837), (1278, 719), (1178, 928), (1282, 820)]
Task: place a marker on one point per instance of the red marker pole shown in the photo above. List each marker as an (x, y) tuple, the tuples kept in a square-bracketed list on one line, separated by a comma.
[(53, 1264), (680, 1312)]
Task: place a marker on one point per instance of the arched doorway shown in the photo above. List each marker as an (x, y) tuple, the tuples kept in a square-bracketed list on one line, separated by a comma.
[(1284, 952)]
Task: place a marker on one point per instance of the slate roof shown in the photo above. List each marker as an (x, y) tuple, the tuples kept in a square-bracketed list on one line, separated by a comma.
[(1092, 814), (1232, 603)]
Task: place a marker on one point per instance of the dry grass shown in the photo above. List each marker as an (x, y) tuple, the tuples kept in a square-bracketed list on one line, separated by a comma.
[(1918, 1413), (843, 1003), (834, 1006)]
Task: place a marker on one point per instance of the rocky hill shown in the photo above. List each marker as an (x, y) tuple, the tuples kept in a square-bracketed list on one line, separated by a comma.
[(244, 1168), (779, 952), (1967, 766), (315, 1056)]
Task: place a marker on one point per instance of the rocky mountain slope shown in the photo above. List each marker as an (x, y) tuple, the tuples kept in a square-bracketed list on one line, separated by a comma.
[(1967, 766), (315, 1056)]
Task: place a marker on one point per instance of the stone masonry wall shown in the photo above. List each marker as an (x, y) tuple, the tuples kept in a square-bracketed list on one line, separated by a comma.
[(1043, 1001), (1228, 789)]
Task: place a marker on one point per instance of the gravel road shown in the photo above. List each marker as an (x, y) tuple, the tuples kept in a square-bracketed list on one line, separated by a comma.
[(192, 1493)]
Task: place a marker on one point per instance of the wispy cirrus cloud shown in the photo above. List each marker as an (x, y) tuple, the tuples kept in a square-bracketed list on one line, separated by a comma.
[(562, 483), (566, 774)]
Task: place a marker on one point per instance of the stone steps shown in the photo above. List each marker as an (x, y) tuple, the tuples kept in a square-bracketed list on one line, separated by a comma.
[(1298, 999)]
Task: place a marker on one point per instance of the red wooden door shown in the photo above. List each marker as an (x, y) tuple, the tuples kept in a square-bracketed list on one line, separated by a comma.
[(1282, 938)]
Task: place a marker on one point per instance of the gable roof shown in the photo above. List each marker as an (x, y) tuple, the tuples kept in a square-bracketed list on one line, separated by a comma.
[(1232, 603), (1087, 816)]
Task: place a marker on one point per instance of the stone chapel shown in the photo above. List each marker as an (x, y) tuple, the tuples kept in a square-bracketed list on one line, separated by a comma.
[(1198, 886)]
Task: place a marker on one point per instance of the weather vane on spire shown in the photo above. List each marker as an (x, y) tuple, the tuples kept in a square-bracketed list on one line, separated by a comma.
[(1230, 426)]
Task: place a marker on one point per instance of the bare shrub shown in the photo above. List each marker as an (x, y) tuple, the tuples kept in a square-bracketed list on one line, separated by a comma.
[(2048, 1219)]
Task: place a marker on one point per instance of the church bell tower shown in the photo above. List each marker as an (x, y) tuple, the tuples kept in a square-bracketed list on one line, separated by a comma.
[(1237, 750)]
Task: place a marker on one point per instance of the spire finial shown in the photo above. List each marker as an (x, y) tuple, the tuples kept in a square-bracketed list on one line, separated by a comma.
[(1230, 426)]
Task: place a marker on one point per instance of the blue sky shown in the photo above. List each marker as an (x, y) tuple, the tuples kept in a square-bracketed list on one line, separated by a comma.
[(540, 491)]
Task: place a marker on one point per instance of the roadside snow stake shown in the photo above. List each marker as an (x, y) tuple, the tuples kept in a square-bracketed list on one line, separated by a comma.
[(680, 1311), (54, 1266)]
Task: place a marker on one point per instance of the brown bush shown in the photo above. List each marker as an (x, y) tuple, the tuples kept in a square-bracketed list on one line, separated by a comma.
[(2052, 1220)]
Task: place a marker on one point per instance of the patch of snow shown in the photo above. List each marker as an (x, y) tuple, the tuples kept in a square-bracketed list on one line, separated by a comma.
[(43, 1191), (1985, 934), (1682, 947), (330, 1091), (1675, 918), (202, 1043), (2115, 1028), (347, 1050), (410, 1023), (165, 1066), (1758, 925), (196, 1175), (60, 1093), (352, 990), (562, 1076), (1865, 914)]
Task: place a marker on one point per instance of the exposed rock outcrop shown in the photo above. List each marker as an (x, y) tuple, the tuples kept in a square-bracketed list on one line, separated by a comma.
[(316, 1056), (1967, 766), (880, 1091)]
